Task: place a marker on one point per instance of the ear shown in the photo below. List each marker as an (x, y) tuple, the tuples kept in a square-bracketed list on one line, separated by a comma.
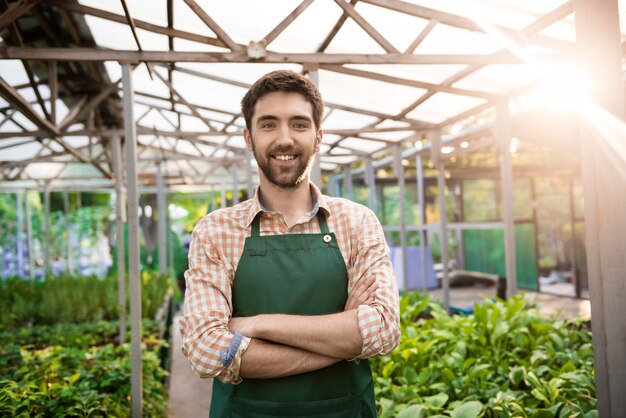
[(318, 140), (248, 138)]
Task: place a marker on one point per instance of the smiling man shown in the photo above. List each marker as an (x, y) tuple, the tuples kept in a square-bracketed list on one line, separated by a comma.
[(290, 292)]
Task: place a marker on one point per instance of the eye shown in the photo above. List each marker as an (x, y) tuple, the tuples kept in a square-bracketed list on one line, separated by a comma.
[(300, 126), (267, 125)]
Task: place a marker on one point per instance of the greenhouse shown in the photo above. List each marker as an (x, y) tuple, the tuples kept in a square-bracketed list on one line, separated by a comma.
[(487, 137)]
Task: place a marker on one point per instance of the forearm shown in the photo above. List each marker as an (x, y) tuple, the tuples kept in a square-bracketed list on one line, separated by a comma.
[(267, 360), (334, 335)]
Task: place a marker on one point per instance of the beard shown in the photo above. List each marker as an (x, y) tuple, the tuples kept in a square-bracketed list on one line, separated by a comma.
[(287, 177)]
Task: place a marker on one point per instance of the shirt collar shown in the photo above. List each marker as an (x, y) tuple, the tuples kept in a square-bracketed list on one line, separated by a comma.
[(319, 201)]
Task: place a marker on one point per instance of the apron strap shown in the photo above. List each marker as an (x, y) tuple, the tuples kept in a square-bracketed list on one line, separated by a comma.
[(321, 218)]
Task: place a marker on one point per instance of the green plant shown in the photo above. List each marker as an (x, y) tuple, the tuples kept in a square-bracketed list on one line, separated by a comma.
[(505, 360)]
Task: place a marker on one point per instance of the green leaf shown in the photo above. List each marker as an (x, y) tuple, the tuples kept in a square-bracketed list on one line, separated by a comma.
[(436, 401), (413, 411), (467, 410)]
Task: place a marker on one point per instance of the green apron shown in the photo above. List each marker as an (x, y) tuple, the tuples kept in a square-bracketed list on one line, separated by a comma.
[(299, 274)]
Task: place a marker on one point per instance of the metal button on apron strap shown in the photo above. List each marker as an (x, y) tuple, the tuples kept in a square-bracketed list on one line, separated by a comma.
[(327, 238)]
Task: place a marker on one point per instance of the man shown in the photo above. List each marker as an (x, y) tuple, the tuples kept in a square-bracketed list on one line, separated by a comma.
[(290, 292)]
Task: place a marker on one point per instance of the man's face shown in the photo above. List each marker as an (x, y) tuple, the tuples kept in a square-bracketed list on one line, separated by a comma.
[(283, 138)]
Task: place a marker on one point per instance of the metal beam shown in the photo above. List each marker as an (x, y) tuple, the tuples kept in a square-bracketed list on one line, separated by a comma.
[(93, 54), (366, 26), (134, 276), (435, 139), (120, 220), (604, 186), (163, 218), (223, 36), (399, 173), (15, 11), (503, 138), (286, 22)]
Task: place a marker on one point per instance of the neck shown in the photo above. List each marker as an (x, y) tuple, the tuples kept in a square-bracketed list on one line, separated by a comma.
[(291, 203)]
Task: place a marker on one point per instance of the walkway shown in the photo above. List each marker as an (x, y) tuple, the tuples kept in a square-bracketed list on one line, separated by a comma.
[(190, 396)]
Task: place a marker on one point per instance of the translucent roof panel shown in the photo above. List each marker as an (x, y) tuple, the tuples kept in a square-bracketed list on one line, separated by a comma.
[(441, 106), (445, 39), (434, 74), (366, 94)]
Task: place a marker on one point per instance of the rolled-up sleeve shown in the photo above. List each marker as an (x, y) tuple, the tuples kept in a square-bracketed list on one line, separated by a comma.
[(379, 322), (210, 347)]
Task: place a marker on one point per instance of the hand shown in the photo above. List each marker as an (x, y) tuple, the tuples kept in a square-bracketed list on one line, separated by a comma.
[(244, 325), (362, 293)]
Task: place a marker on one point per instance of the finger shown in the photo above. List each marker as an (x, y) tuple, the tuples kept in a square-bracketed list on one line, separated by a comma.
[(363, 284), (369, 292)]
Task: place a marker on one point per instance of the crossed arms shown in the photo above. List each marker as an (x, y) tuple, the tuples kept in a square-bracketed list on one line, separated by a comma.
[(284, 345), (281, 345)]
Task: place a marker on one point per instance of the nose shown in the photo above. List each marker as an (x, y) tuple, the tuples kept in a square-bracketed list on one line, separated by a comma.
[(284, 135)]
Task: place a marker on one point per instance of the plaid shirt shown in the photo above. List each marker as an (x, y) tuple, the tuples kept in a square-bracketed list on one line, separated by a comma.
[(216, 246)]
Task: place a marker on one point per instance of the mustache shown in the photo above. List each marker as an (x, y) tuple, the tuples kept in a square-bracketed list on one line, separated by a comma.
[(283, 149)]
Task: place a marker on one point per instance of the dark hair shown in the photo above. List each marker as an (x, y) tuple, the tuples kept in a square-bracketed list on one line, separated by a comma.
[(284, 81)]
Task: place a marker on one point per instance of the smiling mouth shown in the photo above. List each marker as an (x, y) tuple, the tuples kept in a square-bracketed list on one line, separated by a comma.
[(284, 157)]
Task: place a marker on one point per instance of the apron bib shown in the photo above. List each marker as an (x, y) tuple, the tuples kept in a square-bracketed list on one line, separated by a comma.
[(298, 274)]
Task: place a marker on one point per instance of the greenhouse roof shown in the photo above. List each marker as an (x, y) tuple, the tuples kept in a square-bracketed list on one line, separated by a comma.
[(390, 71)]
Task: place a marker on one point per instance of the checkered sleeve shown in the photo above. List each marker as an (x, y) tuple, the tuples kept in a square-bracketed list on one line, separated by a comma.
[(204, 327), (379, 322)]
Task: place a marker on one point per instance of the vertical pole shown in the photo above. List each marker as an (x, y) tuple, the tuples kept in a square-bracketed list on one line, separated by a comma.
[(162, 221), (223, 190), (399, 172), (46, 202), (68, 234), (316, 170), (422, 206), (435, 138), (120, 219), (20, 235), (133, 243), (235, 184), (29, 235), (347, 183), (572, 247), (598, 42), (503, 139), (370, 182), (249, 182), (330, 186)]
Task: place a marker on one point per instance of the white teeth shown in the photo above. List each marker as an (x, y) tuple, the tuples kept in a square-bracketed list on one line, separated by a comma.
[(285, 157)]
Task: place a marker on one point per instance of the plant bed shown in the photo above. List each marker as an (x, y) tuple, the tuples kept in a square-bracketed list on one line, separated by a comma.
[(504, 360), (82, 377)]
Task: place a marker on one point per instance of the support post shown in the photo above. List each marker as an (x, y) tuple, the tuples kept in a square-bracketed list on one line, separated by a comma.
[(120, 219), (133, 244), (68, 234), (330, 186), (370, 182), (162, 221), (347, 183), (598, 41), (316, 170), (235, 184), (46, 247), (399, 173), (435, 138), (29, 235), (503, 139), (20, 235), (223, 191), (422, 207), (249, 182)]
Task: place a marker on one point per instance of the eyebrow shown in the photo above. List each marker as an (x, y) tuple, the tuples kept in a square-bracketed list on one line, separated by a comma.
[(265, 118)]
